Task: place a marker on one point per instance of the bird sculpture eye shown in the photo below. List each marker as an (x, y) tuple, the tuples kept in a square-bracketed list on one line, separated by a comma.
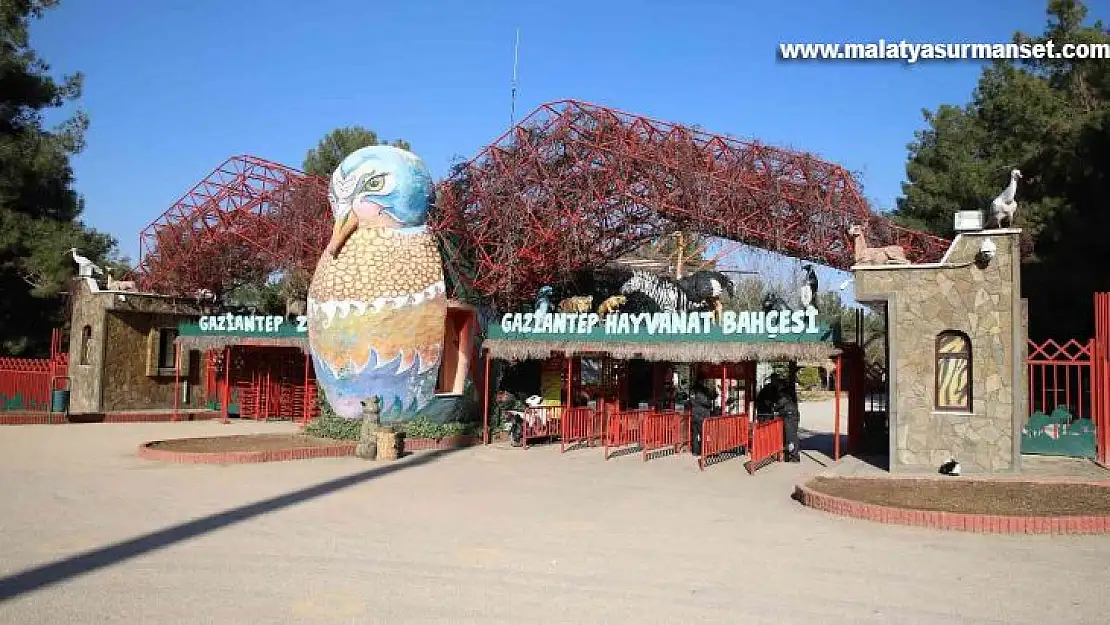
[(374, 184)]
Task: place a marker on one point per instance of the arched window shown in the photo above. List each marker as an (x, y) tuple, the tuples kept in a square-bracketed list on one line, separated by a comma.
[(953, 375), (86, 344)]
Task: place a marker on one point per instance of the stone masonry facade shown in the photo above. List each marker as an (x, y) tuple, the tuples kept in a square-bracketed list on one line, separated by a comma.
[(982, 302)]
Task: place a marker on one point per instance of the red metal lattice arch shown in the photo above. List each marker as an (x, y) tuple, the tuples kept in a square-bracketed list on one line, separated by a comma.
[(576, 184), (248, 218), (571, 186)]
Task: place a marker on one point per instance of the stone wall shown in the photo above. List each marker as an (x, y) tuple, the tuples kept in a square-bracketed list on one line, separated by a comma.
[(127, 383), (983, 303), (114, 378), (85, 375)]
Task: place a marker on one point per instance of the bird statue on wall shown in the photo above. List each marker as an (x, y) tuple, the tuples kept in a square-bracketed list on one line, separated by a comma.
[(1004, 206), (543, 300), (807, 293), (85, 267), (377, 304)]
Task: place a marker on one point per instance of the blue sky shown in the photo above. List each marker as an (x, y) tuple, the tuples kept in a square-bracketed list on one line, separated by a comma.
[(174, 87)]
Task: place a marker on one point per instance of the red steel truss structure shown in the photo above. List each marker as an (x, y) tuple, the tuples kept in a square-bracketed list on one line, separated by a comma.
[(574, 185), (250, 217)]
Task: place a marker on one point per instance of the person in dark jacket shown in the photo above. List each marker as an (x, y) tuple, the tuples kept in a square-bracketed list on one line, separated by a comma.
[(787, 407), (767, 401), (701, 406)]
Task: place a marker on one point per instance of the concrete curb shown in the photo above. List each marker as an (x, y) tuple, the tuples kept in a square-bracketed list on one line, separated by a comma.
[(980, 523)]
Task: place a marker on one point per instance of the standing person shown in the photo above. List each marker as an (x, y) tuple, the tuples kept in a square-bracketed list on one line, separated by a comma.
[(787, 407), (701, 401), (767, 401)]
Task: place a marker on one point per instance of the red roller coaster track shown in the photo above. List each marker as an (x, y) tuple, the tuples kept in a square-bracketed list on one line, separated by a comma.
[(571, 186)]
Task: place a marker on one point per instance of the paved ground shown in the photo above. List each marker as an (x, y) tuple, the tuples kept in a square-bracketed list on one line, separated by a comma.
[(91, 534)]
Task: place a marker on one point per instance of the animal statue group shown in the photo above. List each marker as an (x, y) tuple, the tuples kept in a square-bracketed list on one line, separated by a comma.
[(699, 291), (864, 255), (1004, 206), (118, 285), (377, 304)]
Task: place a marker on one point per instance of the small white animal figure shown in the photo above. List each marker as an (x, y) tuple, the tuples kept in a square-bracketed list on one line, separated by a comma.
[(85, 267), (1004, 206), (864, 255), (117, 285), (950, 468)]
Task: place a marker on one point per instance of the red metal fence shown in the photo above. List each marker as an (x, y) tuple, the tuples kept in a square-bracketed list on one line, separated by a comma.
[(622, 429), (1061, 376), (541, 422), (664, 430), (26, 383), (578, 426), (723, 434), (767, 442), (1100, 373)]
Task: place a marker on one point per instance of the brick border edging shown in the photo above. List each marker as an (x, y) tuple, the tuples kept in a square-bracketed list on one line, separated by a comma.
[(980, 523), (146, 452), (58, 418), (339, 450)]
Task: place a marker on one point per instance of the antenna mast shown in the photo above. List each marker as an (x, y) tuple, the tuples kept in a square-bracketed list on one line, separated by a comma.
[(512, 104)]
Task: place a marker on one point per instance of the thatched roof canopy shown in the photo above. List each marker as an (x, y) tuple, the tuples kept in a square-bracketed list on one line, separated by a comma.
[(700, 351), (211, 341)]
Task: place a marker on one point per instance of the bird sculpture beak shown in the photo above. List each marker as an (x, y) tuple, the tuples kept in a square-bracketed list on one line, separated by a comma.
[(342, 231)]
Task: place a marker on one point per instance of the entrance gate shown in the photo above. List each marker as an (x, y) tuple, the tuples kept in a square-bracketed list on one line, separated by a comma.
[(1068, 393)]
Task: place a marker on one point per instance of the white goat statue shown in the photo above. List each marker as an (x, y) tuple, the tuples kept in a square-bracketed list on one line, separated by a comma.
[(1004, 206), (118, 285), (889, 255)]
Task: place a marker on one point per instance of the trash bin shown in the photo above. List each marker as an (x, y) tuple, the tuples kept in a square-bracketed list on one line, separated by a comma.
[(59, 400)]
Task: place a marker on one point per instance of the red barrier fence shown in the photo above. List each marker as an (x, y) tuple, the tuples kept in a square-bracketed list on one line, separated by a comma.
[(722, 434), (622, 429), (767, 442), (26, 383), (580, 425), (541, 422), (664, 430)]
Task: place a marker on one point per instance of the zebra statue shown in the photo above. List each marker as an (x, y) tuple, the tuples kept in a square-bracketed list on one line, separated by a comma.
[(665, 292)]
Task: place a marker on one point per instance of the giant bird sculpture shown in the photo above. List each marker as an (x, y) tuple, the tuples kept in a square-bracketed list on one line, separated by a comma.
[(377, 306), (1004, 206), (807, 293), (85, 267)]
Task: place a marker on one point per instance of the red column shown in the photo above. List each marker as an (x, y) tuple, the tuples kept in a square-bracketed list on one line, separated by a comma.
[(485, 401), (304, 408), (836, 409), (176, 381), (227, 384)]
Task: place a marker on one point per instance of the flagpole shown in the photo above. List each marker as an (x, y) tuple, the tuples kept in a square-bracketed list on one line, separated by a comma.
[(512, 103)]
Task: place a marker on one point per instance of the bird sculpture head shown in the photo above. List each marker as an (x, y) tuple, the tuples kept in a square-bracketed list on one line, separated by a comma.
[(379, 186), (1015, 174)]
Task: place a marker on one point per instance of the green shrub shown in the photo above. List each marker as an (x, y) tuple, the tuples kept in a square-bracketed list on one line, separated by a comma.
[(331, 426), (809, 378)]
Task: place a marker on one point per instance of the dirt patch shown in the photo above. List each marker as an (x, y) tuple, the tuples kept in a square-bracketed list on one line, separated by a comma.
[(971, 496), (251, 442)]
